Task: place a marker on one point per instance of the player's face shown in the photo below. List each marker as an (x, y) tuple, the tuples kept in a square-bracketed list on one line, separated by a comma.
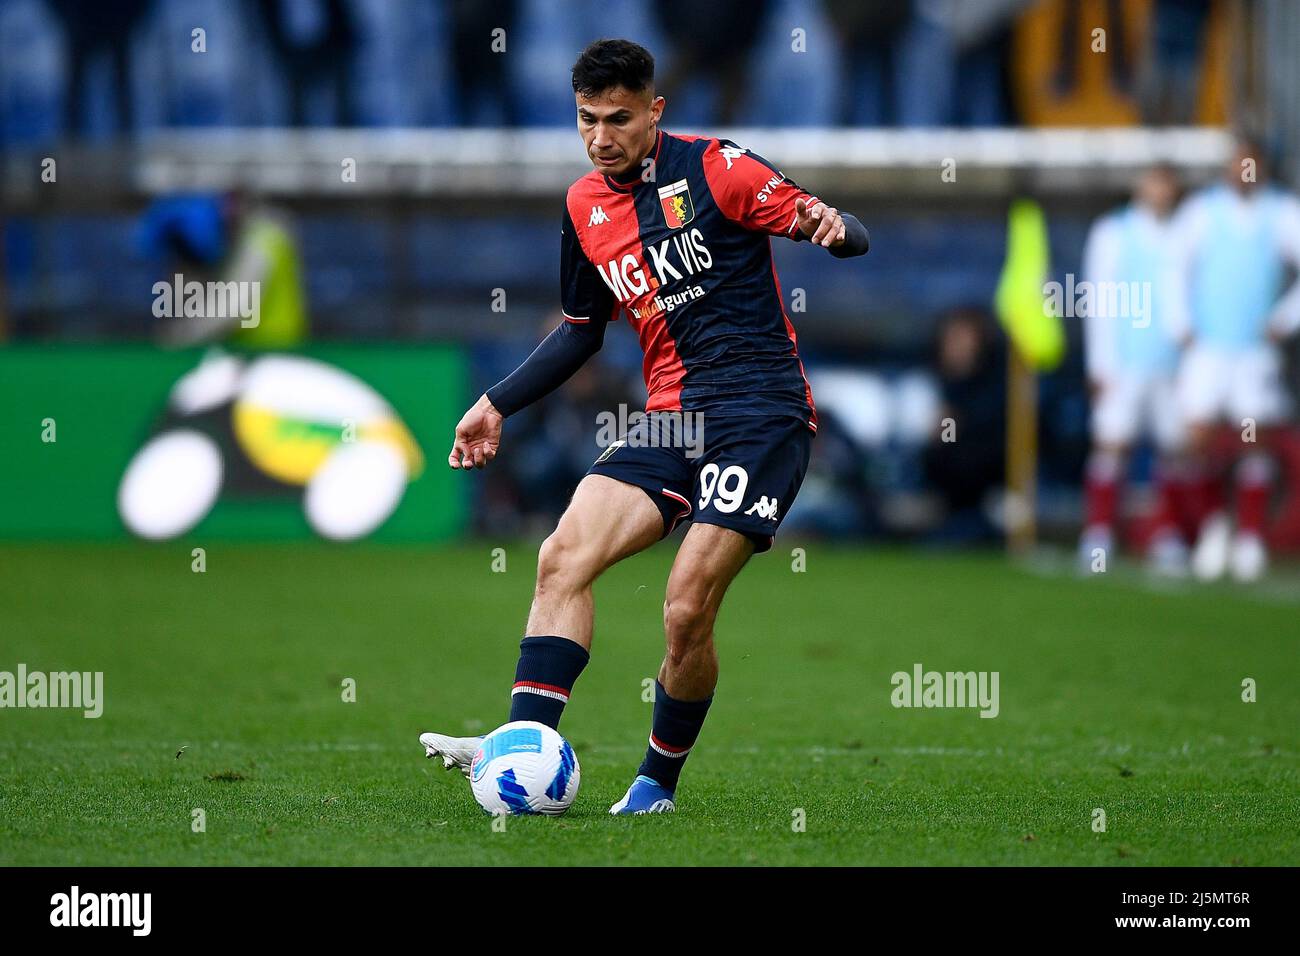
[(959, 348), (1158, 190), (618, 127)]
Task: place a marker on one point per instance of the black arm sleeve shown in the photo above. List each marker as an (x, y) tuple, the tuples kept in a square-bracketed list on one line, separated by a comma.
[(560, 355), (856, 240), (588, 306)]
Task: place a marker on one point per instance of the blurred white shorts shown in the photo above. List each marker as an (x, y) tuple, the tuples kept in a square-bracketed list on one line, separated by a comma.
[(1133, 406), (1220, 385)]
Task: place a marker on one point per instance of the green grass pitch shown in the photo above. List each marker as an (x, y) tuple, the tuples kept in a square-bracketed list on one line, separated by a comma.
[(1112, 697)]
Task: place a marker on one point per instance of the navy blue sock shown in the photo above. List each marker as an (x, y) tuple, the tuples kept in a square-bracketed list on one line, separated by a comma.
[(547, 670), (675, 726)]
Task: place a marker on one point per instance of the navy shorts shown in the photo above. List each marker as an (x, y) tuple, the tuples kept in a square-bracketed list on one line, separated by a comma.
[(738, 472)]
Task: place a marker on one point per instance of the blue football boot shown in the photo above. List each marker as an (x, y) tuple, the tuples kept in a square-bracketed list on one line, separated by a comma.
[(645, 796)]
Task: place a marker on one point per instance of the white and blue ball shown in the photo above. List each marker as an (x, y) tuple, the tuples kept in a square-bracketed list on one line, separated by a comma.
[(525, 767)]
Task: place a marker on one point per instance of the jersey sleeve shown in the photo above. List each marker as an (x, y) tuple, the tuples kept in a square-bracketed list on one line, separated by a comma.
[(584, 296), (752, 192)]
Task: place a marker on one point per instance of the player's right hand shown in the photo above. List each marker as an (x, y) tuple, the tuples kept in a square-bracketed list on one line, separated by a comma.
[(822, 224), (478, 436)]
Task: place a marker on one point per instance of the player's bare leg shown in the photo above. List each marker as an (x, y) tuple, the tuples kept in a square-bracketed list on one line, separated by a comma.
[(707, 562), (606, 521)]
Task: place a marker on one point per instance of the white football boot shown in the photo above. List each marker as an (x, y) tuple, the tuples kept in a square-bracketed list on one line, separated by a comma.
[(1210, 560), (457, 752), (1249, 557)]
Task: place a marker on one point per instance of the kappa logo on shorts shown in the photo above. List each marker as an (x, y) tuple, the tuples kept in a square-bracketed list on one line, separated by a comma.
[(764, 507), (610, 450)]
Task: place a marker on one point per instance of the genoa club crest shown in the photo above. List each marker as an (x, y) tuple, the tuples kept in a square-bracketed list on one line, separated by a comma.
[(675, 199)]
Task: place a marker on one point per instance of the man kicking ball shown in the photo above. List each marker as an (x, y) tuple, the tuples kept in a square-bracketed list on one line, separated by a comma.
[(673, 232)]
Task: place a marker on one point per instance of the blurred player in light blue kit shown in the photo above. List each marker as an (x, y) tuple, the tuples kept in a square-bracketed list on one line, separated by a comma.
[(1132, 363), (1233, 243)]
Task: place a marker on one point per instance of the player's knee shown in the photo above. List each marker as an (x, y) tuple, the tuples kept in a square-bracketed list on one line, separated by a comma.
[(688, 622), (562, 565)]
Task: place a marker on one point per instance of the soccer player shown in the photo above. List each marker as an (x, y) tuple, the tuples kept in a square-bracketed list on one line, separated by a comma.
[(1132, 362), (1235, 241), (673, 232)]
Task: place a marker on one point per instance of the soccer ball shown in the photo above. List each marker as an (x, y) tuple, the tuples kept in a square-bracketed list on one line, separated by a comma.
[(524, 767)]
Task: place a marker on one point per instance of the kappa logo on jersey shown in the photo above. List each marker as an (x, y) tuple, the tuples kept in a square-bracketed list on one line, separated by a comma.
[(598, 216), (732, 153), (675, 199), (764, 507)]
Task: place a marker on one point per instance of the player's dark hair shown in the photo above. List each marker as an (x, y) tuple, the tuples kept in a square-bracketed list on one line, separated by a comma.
[(607, 64)]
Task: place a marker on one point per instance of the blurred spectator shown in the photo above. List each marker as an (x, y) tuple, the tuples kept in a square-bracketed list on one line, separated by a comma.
[(951, 63), (211, 239), (482, 80), (93, 29), (869, 37), (315, 43), (712, 41), (966, 460), (1170, 73)]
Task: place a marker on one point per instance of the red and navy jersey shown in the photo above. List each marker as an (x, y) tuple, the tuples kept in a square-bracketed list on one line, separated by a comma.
[(684, 251)]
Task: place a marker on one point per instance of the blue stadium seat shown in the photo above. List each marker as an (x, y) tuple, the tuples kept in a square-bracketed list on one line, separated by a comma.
[(31, 70)]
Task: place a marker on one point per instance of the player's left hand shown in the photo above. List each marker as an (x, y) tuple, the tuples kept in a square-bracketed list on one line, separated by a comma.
[(822, 224)]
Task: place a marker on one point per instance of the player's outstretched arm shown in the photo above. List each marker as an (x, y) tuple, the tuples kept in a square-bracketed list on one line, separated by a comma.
[(826, 226), (753, 193), (563, 352)]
